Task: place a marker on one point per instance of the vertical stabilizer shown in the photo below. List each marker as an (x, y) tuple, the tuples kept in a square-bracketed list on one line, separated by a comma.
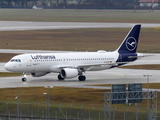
[(130, 43)]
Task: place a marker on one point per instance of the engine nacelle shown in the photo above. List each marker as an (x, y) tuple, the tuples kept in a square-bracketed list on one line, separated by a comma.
[(69, 73), (38, 74)]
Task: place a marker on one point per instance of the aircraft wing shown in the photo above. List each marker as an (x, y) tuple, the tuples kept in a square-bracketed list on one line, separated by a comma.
[(91, 65)]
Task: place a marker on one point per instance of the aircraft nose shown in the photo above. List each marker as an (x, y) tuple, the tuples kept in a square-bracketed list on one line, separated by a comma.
[(7, 66)]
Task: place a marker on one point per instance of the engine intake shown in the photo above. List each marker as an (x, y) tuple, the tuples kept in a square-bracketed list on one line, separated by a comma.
[(69, 73)]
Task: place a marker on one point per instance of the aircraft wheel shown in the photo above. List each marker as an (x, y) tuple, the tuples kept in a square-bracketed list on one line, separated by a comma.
[(82, 78), (60, 77), (24, 79)]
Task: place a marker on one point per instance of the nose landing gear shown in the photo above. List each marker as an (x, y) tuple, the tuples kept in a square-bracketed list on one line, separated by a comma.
[(24, 79)]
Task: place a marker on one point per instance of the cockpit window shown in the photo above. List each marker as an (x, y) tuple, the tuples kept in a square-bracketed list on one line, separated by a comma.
[(15, 60)]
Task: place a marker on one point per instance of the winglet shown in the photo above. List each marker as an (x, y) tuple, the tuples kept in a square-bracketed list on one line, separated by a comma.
[(130, 43)]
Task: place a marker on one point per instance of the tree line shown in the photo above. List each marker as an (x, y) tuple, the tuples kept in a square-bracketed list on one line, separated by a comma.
[(76, 4)]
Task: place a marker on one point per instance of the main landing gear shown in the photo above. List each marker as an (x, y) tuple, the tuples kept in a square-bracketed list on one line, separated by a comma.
[(82, 78)]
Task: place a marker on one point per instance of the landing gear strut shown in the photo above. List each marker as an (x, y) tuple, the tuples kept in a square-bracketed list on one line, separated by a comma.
[(82, 78)]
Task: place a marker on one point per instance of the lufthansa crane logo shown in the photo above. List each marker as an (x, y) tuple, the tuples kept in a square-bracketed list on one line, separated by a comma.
[(131, 43)]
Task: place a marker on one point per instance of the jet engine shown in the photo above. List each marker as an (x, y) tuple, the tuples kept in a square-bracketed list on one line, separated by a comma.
[(69, 73), (38, 74)]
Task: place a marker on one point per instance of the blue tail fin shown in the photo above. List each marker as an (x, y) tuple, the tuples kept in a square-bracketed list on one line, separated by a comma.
[(130, 43)]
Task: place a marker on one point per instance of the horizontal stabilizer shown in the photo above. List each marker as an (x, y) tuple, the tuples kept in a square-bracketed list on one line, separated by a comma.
[(139, 55)]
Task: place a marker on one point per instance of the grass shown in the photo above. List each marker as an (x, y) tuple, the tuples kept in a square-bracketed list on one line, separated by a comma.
[(78, 39), (5, 57), (80, 15), (58, 95), (8, 74), (148, 67)]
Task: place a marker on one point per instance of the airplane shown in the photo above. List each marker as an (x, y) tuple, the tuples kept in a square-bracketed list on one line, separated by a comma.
[(75, 64)]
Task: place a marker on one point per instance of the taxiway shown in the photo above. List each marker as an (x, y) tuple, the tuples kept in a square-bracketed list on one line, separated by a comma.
[(17, 25)]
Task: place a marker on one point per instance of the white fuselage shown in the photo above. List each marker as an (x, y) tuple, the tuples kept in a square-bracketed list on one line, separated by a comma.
[(52, 62)]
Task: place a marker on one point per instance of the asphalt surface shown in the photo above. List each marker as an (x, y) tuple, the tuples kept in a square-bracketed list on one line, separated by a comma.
[(112, 76)]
